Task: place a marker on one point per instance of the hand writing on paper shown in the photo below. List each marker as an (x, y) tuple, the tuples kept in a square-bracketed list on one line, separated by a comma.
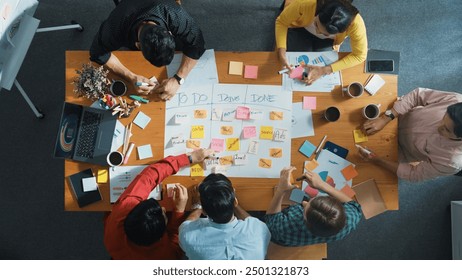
[(283, 60), (142, 89), (285, 183), (168, 88), (315, 181), (316, 72), (200, 154), (180, 197)]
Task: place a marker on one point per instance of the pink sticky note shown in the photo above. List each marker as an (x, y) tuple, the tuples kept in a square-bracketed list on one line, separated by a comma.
[(218, 145), (242, 113), (312, 192), (309, 102), (249, 132), (297, 73), (250, 72)]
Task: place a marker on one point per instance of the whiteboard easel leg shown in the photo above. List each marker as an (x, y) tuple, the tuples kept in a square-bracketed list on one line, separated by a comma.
[(31, 105)]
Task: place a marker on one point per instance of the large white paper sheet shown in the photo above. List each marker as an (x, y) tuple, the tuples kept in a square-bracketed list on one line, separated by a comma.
[(302, 121)]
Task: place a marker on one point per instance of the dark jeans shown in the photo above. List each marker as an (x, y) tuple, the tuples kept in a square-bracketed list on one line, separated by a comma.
[(300, 40)]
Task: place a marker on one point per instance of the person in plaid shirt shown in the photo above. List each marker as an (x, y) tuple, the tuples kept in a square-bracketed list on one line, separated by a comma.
[(320, 220)]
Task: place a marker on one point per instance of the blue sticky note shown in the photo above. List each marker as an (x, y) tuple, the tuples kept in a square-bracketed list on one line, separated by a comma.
[(307, 148)]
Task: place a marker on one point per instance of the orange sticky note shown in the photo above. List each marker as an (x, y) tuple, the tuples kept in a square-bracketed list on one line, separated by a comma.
[(232, 144), (197, 131), (193, 144), (235, 68), (311, 164), (349, 172), (250, 71), (200, 114), (348, 191), (276, 116), (275, 152), (264, 163), (226, 130), (197, 170), (266, 132), (226, 160)]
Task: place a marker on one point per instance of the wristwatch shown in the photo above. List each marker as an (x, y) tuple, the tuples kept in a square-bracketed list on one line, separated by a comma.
[(178, 79), (389, 113)]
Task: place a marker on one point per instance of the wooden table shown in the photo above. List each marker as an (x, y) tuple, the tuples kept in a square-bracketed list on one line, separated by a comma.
[(254, 194)]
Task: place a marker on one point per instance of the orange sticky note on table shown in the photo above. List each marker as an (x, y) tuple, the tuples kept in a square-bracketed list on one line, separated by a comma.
[(349, 172), (226, 160), (264, 163), (200, 114), (311, 164), (275, 152), (193, 144), (359, 136), (276, 116), (197, 170), (297, 73), (266, 132), (250, 71), (226, 130), (197, 131), (348, 191), (235, 68), (232, 144)]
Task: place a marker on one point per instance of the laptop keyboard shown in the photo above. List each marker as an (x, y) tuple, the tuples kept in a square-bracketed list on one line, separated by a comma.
[(88, 134)]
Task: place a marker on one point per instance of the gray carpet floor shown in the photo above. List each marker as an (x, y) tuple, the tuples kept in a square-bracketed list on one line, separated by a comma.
[(32, 220)]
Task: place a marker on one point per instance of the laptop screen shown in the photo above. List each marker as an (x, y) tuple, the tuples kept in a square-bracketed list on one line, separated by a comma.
[(68, 129)]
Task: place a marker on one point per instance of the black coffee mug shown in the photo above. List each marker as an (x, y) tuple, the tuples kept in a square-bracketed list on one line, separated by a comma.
[(118, 88), (332, 114), (115, 158)]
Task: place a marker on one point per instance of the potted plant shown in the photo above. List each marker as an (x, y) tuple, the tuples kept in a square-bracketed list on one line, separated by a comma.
[(91, 82)]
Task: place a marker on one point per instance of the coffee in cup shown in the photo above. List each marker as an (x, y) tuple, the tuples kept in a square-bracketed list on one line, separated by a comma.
[(371, 111), (115, 158), (332, 114), (118, 88), (354, 89)]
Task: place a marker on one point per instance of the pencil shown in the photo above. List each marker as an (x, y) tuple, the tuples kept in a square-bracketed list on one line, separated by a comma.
[(127, 137), (129, 152), (318, 149)]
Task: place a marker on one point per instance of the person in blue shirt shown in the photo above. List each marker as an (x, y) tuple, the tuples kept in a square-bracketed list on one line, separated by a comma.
[(322, 219), (228, 232)]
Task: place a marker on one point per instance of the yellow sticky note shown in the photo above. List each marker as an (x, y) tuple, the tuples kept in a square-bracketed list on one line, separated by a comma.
[(359, 136), (275, 152), (197, 170), (197, 131), (276, 116), (311, 164), (226, 130), (232, 144), (226, 160), (193, 144), (101, 177), (200, 114), (235, 68), (264, 163), (266, 132)]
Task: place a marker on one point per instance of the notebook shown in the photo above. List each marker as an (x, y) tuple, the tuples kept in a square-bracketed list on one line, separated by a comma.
[(370, 199), (374, 84), (83, 198)]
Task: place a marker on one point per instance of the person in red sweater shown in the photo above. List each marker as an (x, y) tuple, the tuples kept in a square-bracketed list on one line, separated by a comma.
[(138, 227)]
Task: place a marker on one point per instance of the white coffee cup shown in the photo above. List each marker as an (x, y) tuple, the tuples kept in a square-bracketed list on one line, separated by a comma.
[(115, 158), (354, 89), (371, 111)]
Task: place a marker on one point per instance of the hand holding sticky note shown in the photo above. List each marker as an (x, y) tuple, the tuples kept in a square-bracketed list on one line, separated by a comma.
[(297, 73)]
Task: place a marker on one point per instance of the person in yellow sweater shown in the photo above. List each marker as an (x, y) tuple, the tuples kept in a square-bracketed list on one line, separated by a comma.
[(321, 25)]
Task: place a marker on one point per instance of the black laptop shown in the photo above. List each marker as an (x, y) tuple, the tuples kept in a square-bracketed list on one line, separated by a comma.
[(85, 134)]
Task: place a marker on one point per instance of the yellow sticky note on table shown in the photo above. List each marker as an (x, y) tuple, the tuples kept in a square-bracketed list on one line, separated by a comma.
[(226, 160), (266, 132), (235, 68), (276, 116), (226, 130), (101, 177), (264, 163), (193, 144), (232, 144), (359, 136), (197, 131), (200, 114), (275, 152), (197, 170)]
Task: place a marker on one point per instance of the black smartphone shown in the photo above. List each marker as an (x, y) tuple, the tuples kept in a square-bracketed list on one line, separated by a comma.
[(383, 65), (336, 149)]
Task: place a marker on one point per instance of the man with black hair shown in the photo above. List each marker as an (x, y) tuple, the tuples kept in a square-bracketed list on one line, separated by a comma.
[(138, 227), (157, 28), (429, 135), (322, 219), (228, 232)]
